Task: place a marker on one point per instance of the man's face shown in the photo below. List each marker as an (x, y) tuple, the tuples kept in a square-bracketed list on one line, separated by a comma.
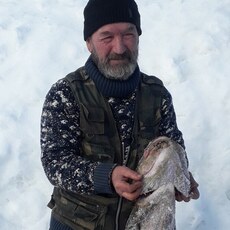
[(114, 49)]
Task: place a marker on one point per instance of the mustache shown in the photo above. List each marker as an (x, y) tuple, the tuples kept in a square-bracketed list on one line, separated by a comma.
[(114, 56)]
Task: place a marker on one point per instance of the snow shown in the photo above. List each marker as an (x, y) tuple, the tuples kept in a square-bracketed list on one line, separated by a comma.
[(184, 42)]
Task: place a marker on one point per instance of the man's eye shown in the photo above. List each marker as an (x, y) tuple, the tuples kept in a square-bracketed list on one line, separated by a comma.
[(129, 35), (106, 39)]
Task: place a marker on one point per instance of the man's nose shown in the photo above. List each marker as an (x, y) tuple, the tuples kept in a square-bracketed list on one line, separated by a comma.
[(119, 46)]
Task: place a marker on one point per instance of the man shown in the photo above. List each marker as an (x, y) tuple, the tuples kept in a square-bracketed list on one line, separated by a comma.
[(97, 121)]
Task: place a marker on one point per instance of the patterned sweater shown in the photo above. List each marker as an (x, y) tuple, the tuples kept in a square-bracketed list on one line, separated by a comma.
[(61, 139)]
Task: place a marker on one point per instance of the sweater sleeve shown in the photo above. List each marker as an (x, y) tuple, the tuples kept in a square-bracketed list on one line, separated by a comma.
[(168, 126), (61, 156)]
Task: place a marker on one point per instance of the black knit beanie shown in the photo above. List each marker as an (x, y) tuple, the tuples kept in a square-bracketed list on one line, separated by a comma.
[(98, 13)]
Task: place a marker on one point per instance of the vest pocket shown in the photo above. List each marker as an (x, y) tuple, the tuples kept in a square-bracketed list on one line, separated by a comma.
[(98, 151), (79, 214), (91, 120)]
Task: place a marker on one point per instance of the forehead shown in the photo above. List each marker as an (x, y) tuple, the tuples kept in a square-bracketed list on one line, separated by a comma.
[(119, 27)]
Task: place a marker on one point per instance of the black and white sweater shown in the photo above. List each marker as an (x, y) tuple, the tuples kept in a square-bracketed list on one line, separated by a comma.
[(61, 138)]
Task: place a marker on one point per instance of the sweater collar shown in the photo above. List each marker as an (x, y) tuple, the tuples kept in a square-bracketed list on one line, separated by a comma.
[(112, 87)]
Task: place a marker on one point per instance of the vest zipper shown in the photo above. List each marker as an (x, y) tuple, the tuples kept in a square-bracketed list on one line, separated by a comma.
[(118, 213), (120, 198)]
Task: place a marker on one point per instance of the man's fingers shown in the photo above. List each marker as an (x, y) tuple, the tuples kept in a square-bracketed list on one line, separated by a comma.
[(127, 182), (125, 186), (195, 194), (180, 197), (125, 173), (132, 196), (132, 175), (133, 191)]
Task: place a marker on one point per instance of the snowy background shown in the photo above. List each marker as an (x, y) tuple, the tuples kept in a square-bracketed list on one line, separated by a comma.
[(184, 42)]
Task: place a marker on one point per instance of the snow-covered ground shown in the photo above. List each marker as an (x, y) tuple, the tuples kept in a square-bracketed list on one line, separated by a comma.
[(185, 42)]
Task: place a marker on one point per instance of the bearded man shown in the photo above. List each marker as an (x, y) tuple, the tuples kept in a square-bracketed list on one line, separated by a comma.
[(97, 121)]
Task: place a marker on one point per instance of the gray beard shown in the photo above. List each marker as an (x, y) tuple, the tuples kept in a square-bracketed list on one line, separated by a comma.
[(117, 72)]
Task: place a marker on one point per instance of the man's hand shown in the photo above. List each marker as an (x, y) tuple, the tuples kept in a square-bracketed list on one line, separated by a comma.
[(194, 192), (126, 182)]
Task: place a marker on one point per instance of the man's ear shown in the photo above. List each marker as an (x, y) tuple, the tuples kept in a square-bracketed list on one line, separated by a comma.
[(89, 45)]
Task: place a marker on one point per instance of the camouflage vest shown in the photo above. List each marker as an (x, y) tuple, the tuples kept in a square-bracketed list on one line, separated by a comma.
[(101, 142)]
